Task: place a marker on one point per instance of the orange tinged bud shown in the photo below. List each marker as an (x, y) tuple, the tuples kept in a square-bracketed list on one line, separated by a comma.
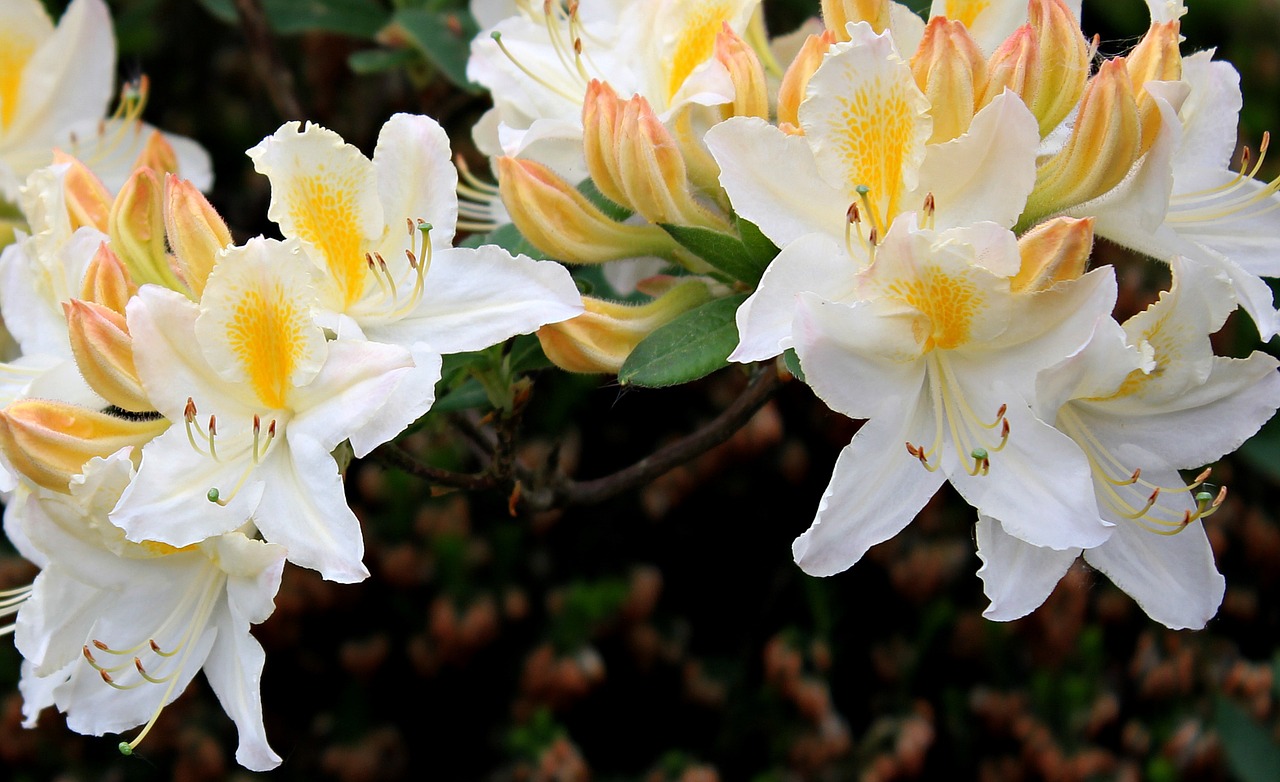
[(651, 170), (600, 339), (196, 231), (88, 200), (1155, 58), (1104, 145), (796, 80), (49, 442), (952, 73), (750, 91), (107, 281), (561, 222), (1055, 251), (1013, 65), (837, 14), (136, 228), (601, 111), (103, 350), (1046, 62), (158, 155)]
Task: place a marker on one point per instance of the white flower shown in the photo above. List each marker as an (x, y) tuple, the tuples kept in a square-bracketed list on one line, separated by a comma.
[(941, 358), (114, 631), (259, 399), (1184, 408)]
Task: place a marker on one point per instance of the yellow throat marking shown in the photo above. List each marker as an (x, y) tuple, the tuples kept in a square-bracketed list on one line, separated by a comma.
[(324, 213), (266, 331)]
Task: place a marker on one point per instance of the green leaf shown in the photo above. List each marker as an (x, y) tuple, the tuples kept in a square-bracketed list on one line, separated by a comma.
[(356, 18), (1252, 754), (445, 38), (379, 60), (726, 252), (792, 362), (601, 201), (469, 395), (1262, 451), (760, 248), (692, 346)]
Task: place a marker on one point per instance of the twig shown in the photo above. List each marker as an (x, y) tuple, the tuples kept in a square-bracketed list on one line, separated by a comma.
[(395, 455), (271, 69)]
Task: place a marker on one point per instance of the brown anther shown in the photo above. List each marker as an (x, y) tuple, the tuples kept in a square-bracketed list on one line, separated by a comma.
[(381, 263), (88, 655), (137, 663), (1004, 429), (874, 237), (1152, 499), (257, 423), (408, 223), (1204, 476), (271, 430), (102, 127), (577, 46), (573, 7), (1137, 473), (368, 257), (213, 426), (1187, 518), (1218, 500), (1004, 408), (413, 259), (102, 646), (106, 677), (546, 7), (853, 215), (1246, 157), (189, 412), (155, 647), (930, 205)]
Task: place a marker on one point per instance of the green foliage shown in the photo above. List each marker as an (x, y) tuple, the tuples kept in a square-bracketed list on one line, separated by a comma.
[(1252, 753), (741, 258), (690, 347), (586, 606), (444, 38), (356, 18)]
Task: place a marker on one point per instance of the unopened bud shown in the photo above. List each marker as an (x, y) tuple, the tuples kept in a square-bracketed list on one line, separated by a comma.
[(1046, 62), (1013, 65), (601, 338), (136, 227), (196, 231), (88, 200), (103, 351), (837, 14), (651, 170), (795, 81), (107, 281), (1104, 145), (50, 442), (750, 91), (158, 155), (952, 73), (601, 111), (561, 222), (1155, 58), (1055, 251)]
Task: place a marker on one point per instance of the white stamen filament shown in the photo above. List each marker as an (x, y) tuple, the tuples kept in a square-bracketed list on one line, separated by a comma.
[(126, 117), (1227, 202), (970, 435)]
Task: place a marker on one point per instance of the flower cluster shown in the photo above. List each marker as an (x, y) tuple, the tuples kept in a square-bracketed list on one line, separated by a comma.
[(901, 212)]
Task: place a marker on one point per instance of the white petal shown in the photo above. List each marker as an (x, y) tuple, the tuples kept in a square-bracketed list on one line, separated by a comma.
[(234, 671), (1209, 118), (416, 177), (37, 691), (1016, 576)]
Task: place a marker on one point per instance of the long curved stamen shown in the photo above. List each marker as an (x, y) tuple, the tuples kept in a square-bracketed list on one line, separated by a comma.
[(969, 433), (259, 452), (557, 89), (1225, 203), (126, 118)]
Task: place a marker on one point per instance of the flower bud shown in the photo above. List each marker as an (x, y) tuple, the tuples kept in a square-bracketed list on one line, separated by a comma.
[(107, 281), (1046, 62), (601, 112), (1155, 58), (196, 231), (750, 91), (158, 155), (103, 351), (952, 73), (600, 339), (136, 227), (49, 442), (561, 222), (651, 170), (795, 81), (88, 200), (1055, 251), (837, 14), (1103, 146)]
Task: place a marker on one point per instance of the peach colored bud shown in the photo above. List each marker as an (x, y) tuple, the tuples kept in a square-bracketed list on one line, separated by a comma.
[(107, 281), (103, 351), (1103, 146), (561, 222), (1046, 62), (136, 228), (796, 80), (1012, 65), (196, 231), (1052, 252), (1155, 58), (49, 442), (88, 200), (601, 112), (601, 338), (952, 73), (751, 93), (836, 15), (651, 170), (158, 155)]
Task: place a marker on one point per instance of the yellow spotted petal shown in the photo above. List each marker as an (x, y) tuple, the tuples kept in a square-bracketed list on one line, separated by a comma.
[(24, 25), (325, 193), (255, 325)]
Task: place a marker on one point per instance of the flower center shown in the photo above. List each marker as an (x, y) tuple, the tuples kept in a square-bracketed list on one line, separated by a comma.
[(565, 33), (973, 438), (256, 449)]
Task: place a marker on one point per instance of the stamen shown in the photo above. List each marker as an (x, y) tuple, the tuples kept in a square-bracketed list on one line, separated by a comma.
[(562, 92), (930, 207), (213, 433), (189, 415)]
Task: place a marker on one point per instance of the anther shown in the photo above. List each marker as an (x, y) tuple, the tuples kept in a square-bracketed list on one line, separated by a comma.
[(930, 207), (189, 412), (213, 433)]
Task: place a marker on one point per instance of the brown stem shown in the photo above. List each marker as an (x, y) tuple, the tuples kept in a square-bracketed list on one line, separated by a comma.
[(271, 69), (395, 455)]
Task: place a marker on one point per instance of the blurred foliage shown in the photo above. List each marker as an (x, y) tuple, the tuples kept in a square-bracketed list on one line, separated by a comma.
[(667, 635)]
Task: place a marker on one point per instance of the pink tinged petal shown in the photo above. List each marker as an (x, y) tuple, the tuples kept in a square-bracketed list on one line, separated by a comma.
[(1039, 486), (861, 359), (305, 510), (416, 177), (367, 392), (69, 77), (875, 491), (814, 263), (772, 180), (473, 299), (987, 173), (1016, 576), (234, 671), (1173, 577)]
